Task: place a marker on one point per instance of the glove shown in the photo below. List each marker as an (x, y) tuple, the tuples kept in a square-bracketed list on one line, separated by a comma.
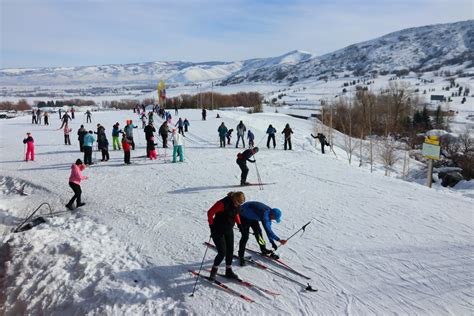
[(211, 227), (239, 226), (274, 245)]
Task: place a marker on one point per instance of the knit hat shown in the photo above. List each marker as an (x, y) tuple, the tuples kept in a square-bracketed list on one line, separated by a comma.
[(276, 213)]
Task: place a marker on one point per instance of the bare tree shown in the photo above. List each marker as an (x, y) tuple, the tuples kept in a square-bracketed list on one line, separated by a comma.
[(387, 153)]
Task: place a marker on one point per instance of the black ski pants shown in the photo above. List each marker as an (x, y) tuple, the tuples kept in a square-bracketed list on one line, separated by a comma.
[(271, 137), (287, 143), (81, 145), (88, 119), (222, 141), (245, 170), (67, 140), (246, 224), (77, 193), (105, 154), (225, 247), (180, 130), (87, 154), (126, 157), (164, 138)]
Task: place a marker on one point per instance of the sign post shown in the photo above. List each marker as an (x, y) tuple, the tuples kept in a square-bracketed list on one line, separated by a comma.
[(431, 150)]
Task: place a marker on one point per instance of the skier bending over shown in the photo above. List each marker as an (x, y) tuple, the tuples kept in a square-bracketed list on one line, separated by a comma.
[(250, 215), (75, 183), (222, 217), (242, 159)]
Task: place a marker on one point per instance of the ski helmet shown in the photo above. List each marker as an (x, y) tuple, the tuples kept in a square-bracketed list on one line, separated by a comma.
[(276, 212), (255, 149)]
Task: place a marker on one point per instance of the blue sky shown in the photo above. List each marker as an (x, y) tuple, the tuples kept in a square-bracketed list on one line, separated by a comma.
[(42, 33)]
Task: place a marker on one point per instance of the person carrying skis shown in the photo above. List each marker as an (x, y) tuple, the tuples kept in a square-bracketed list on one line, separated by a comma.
[(222, 217), (180, 125), (251, 138), (129, 131), (322, 140), (242, 159), (186, 125), (75, 183), (271, 136), (222, 130), (81, 133), (89, 140), (163, 131), (149, 130), (240, 134), (88, 115), (178, 142), (115, 136), (67, 130), (126, 148), (30, 147), (103, 143), (251, 214), (287, 131), (228, 135), (65, 120)]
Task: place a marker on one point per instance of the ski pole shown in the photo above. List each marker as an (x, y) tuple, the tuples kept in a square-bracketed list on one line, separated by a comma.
[(260, 185), (200, 268), (261, 140), (302, 228)]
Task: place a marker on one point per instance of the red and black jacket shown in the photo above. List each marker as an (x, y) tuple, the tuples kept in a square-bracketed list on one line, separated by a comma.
[(223, 215)]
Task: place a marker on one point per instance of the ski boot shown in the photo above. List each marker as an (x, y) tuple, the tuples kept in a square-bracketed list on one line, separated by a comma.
[(244, 183), (242, 262), (230, 274), (80, 204), (269, 253), (213, 274), (69, 207)]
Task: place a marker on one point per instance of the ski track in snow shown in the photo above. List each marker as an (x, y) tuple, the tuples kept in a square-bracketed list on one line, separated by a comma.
[(376, 244)]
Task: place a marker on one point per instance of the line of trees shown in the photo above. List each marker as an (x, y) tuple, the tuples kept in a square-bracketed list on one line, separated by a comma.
[(21, 105), (216, 100)]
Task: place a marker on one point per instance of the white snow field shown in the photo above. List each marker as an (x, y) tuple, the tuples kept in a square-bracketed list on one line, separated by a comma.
[(376, 244)]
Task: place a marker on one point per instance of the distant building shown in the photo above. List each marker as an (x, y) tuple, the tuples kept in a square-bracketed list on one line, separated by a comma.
[(437, 97)]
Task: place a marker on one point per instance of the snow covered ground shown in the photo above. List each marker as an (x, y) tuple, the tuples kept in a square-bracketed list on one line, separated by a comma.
[(376, 244)]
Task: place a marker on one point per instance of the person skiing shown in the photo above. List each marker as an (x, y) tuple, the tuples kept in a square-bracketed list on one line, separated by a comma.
[(251, 138), (126, 148), (88, 115), (65, 120), (271, 136), (240, 134), (129, 131), (75, 183), (322, 140), (242, 159), (115, 136), (67, 130), (178, 142), (81, 133), (222, 217), (180, 125), (73, 111), (251, 214), (204, 114), (186, 125), (150, 148), (46, 118), (59, 111), (163, 131), (222, 130), (89, 140), (103, 143), (149, 130), (287, 131), (30, 147), (228, 135)]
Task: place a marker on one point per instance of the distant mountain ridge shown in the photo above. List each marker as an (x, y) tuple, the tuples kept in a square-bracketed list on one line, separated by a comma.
[(415, 49)]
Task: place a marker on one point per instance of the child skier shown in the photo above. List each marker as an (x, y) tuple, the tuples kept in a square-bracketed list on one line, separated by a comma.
[(150, 147), (75, 183), (30, 147), (177, 146), (67, 130), (222, 217), (251, 138), (126, 148), (228, 135)]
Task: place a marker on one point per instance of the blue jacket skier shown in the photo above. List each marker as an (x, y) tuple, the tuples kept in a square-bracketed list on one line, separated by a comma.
[(251, 214)]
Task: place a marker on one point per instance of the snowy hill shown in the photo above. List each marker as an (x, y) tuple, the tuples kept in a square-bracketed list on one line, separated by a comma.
[(376, 244), (424, 48)]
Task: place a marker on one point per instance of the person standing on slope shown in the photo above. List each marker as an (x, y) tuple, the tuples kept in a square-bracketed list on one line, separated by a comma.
[(251, 138), (30, 147), (149, 130), (228, 135), (126, 148), (178, 142), (287, 131), (150, 148), (88, 115), (67, 130), (103, 143), (271, 131), (163, 131), (180, 125), (222, 130), (46, 118), (65, 120), (222, 217), (89, 140), (204, 114), (115, 136), (186, 125), (242, 159), (129, 131), (241, 129), (80, 136), (322, 140), (251, 214), (75, 183)]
